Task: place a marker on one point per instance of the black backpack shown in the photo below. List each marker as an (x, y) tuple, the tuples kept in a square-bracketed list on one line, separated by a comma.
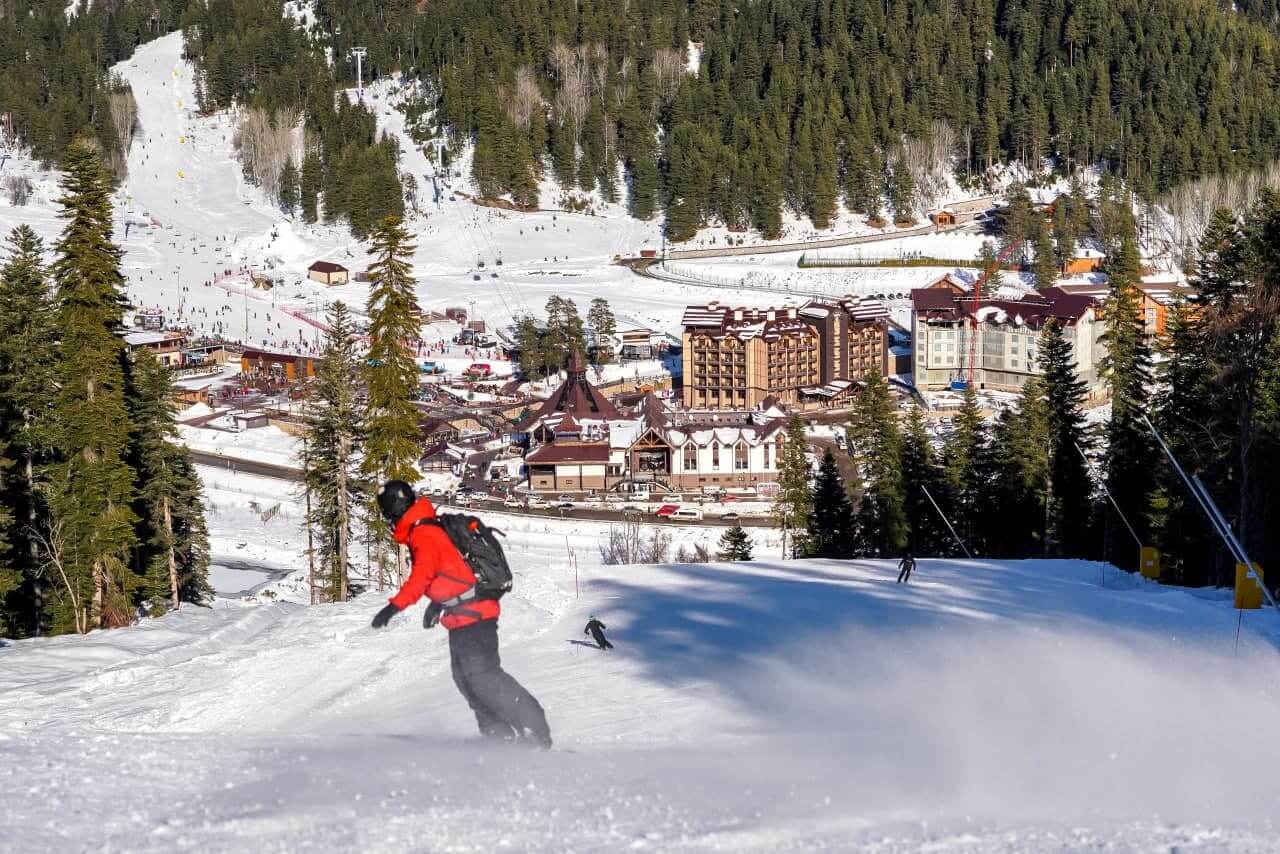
[(478, 544)]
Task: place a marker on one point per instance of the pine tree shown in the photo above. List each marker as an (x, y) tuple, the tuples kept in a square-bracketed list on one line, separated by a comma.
[(1071, 499), (876, 444), (330, 458), (92, 484), (27, 359), (735, 544), (603, 327), (1020, 482), (920, 472), (310, 186), (1187, 416), (831, 529), (795, 495), (172, 533), (989, 263), (391, 420), (1219, 272), (565, 332), (967, 471), (533, 363), (1044, 266), (289, 193), (1131, 459), (901, 191)]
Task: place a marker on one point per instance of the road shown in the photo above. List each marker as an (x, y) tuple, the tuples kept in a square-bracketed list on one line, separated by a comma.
[(289, 473), (965, 212), (238, 464)]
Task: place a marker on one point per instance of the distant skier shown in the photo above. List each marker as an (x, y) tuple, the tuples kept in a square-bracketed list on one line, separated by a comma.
[(905, 566), (503, 708), (596, 629)]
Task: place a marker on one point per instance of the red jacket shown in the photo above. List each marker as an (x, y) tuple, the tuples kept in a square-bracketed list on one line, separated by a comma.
[(439, 572)]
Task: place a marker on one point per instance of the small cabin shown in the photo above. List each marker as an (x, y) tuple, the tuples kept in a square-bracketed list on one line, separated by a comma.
[(328, 273), (943, 218)]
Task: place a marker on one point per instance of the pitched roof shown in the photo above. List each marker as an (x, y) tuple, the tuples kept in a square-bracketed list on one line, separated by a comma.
[(576, 397), (327, 267), (1033, 310), (569, 452)]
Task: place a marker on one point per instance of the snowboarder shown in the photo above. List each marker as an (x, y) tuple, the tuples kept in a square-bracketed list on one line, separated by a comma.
[(503, 708), (596, 629), (905, 566)]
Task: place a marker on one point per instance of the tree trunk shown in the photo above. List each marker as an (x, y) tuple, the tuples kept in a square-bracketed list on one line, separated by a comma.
[(99, 593), (173, 560), (402, 564), (33, 549), (344, 518)]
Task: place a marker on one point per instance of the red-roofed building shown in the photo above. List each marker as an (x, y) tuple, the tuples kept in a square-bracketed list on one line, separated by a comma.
[(1009, 335), (579, 442), (734, 358)]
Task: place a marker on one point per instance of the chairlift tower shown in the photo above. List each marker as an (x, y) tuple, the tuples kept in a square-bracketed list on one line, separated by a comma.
[(359, 53)]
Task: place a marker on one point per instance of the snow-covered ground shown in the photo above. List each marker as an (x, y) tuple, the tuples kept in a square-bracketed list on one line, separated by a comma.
[(771, 706), (987, 706)]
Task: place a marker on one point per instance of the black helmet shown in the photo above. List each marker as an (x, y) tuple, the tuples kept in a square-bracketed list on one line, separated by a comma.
[(394, 500)]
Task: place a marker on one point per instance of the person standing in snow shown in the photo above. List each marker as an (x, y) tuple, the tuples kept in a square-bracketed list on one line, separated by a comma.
[(596, 629), (905, 566), (503, 708)]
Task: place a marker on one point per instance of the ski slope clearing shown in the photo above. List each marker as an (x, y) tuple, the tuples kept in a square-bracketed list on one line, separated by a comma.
[(988, 706)]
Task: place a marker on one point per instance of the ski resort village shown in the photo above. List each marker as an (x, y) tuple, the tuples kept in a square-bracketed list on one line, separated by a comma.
[(795, 425)]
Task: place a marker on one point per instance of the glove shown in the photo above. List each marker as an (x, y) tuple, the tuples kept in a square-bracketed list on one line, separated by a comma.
[(384, 616), (432, 615)]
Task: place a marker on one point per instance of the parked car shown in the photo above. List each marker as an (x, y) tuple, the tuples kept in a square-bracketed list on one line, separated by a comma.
[(666, 510), (594, 500), (564, 506), (512, 501), (536, 502), (730, 517), (564, 499), (630, 510), (480, 369)]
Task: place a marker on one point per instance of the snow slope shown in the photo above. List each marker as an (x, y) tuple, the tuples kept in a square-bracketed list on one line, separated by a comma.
[(988, 706)]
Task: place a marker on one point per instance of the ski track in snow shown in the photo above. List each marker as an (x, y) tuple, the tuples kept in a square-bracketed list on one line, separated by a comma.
[(778, 706)]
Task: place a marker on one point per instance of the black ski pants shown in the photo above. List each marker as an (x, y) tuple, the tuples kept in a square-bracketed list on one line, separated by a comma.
[(600, 639), (905, 574), (503, 708)]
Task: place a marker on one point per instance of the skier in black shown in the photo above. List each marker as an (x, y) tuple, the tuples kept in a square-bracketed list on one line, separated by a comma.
[(905, 566), (596, 630)]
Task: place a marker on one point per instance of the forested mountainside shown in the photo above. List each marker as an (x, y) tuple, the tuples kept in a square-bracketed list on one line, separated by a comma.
[(53, 78), (714, 110)]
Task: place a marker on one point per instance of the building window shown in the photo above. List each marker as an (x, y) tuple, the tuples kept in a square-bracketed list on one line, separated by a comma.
[(690, 457), (740, 458), (715, 455), (768, 454)]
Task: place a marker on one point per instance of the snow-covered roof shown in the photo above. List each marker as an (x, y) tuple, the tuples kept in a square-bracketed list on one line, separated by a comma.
[(142, 338)]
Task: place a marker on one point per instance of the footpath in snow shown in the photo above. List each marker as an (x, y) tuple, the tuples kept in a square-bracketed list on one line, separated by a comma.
[(987, 706)]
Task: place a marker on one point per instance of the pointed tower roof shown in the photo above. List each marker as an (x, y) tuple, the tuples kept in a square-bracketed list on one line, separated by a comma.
[(576, 398)]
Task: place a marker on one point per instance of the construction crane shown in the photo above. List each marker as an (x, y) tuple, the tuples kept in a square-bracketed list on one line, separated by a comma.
[(964, 381)]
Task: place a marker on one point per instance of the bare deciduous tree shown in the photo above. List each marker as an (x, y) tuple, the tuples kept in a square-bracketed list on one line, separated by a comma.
[(928, 160), (50, 543), (628, 544), (580, 72), (264, 141), (18, 189), (523, 100), (1191, 205), (668, 71)]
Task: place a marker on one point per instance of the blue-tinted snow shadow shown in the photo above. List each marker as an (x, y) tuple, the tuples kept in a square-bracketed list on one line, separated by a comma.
[(714, 622)]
